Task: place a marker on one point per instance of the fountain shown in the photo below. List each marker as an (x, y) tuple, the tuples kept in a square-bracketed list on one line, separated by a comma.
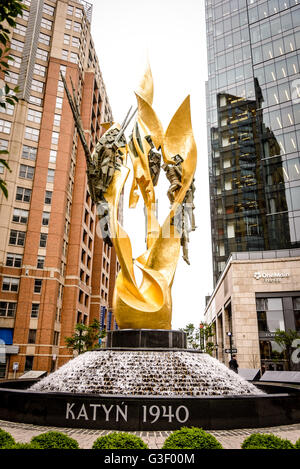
[(146, 378)]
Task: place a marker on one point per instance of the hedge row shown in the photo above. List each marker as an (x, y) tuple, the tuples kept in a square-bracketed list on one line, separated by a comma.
[(185, 438)]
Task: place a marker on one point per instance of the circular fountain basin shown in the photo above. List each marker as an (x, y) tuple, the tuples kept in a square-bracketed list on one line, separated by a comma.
[(147, 389)]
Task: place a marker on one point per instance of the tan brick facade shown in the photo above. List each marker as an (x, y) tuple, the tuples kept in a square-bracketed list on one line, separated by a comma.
[(232, 306)]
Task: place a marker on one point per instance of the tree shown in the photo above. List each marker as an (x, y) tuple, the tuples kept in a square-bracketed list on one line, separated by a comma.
[(85, 337), (192, 335), (199, 338), (288, 340), (9, 10)]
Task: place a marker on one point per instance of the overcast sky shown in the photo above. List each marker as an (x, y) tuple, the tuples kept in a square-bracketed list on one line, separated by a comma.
[(171, 35)]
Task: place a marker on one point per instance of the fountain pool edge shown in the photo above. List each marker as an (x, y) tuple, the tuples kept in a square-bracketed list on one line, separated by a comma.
[(146, 413)]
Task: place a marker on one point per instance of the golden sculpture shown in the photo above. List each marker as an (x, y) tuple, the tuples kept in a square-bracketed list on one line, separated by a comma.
[(148, 306)]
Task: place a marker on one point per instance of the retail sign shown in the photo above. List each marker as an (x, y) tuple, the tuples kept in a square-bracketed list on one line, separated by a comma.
[(273, 277)]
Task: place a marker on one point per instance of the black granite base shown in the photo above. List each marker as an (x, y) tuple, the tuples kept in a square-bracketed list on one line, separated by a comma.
[(146, 339), (139, 413)]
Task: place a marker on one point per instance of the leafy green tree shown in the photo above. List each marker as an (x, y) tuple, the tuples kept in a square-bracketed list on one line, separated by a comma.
[(85, 337), (287, 340), (200, 337), (192, 335), (9, 10)]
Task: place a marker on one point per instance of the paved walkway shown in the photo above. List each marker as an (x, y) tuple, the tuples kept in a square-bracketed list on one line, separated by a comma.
[(230, 439)]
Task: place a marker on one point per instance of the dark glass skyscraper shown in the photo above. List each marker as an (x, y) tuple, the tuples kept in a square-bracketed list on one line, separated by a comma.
[(253, 113)]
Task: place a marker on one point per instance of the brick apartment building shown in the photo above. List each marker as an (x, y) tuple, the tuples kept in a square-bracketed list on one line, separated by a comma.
[(54, 269)]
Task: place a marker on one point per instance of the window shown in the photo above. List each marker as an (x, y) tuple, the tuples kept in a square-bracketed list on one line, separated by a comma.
[(14, 260), (78, 13), (269, 314), (74, 57), (3, 144), (32, 134), (37, 86), (39, 70), (45, 218), (20, 29), (10, 284), (68, 24), (59, 102), (44, 39), (75, 42), (296, 306), (31, 336), (29, 153), (66, 39), (270, 350), (34, 116), (55, 338), (77, 27), (48, 9), (53, 154), (64, 54), (12, 77), (26, 172), (70, 10), (23, 194), (46, 24), (54, 138), (28, 363), (51, 175), (40, 262), (48, 197), (38, 285), (60, 87), (57, 119), (43, 240), (35, 100), (16, 45), (5, 126), (14, 61), (17, 238), (41, 54), (7, 309), (20, 216), (63, 70)]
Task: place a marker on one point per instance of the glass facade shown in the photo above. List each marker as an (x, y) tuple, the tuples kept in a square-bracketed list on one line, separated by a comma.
[(253, 114), (276, 311)]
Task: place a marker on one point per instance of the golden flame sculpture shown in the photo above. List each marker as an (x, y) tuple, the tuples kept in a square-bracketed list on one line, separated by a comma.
[(149, 305)]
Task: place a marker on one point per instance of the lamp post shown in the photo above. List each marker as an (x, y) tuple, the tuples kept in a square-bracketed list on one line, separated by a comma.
[(230, 343)]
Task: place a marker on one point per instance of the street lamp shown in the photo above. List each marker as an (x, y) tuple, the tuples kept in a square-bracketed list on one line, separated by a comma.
[(230, 343)]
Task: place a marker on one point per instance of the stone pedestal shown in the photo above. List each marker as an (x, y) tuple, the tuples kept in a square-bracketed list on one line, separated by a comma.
[(146, 339)]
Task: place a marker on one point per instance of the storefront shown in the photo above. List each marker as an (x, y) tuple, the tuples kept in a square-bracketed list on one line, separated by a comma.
[(258, 294)]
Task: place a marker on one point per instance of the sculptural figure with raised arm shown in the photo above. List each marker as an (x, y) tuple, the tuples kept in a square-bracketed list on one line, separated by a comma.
[(149, 305)]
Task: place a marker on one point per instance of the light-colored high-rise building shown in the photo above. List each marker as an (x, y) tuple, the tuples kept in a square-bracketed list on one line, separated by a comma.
[(55, 270)]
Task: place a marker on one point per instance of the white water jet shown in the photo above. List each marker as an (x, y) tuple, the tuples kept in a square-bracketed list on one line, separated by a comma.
[(142, 373)]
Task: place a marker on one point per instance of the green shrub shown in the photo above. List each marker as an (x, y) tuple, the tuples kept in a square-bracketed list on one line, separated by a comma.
[(297, 444), (6, 439), (22, 446), (120, 440), (191, 438), (54, 440), (266, 441)]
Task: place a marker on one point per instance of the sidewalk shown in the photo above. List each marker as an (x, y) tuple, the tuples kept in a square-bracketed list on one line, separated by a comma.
[(230, 439)]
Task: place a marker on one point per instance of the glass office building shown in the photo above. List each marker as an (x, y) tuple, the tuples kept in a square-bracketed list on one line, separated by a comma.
[(253, 114)]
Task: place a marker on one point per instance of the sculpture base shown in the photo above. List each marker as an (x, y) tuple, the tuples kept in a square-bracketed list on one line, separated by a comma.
[(146, 339)]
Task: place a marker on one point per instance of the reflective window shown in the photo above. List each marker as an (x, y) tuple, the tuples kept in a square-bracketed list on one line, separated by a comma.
[(269, 314)]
